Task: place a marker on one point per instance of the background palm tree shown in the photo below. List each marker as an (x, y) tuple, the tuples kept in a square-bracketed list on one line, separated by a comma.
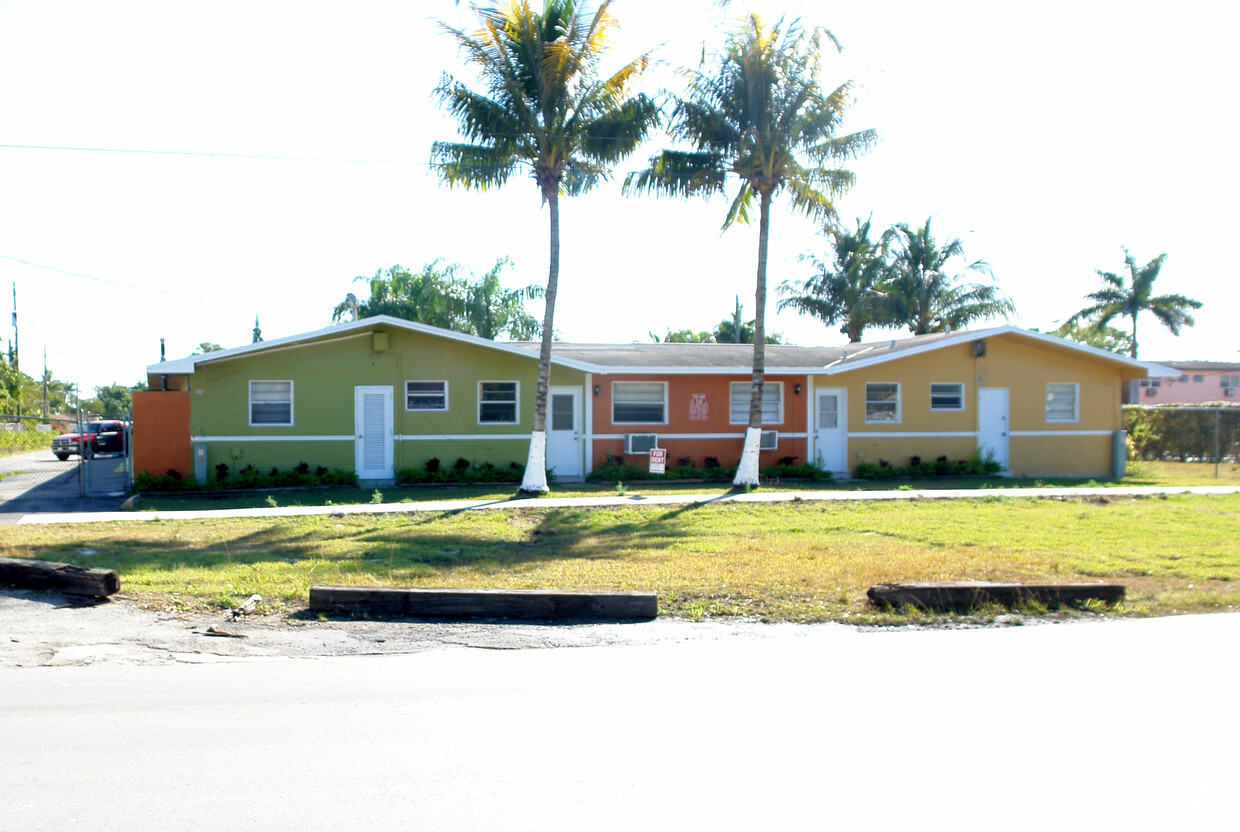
[(546, 109), (1130, 297), (442, 295), (846, 289), (924, 294), (756, 111)]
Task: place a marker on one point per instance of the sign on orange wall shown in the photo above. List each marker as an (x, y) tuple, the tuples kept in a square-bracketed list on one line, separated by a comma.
[(699, 407)]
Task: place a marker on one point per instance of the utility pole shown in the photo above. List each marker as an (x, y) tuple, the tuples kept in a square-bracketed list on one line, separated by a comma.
[(45, 381), (17, 366)]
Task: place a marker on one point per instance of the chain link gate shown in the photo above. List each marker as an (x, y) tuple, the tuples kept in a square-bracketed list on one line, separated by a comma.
[(30, 475), (105, 455)]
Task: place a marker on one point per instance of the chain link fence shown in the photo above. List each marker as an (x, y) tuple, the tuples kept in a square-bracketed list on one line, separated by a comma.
[(48, 462), (1183, 433)]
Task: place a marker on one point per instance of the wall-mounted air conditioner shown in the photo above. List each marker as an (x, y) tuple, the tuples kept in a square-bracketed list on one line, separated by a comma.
[(640, 443), (1229, 391), (1151, 391), (769, 440)]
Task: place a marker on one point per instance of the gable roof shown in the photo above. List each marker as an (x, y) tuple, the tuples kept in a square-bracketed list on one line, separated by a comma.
[(680, 359), (352, 329), (676, 358), (1203, 366)]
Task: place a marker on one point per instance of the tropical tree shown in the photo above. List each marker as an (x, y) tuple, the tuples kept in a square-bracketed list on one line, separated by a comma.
[(756, 111), (257, 335), (684, 336), (112, 399), (435, 295), (1129, 296), (1094, 335), (441, 295), (846, 289), (545, 108), (925, 294), (491, 311), (735, 331)]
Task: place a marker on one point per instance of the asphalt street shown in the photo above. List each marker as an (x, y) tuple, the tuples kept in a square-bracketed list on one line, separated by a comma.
[(1108, 724)]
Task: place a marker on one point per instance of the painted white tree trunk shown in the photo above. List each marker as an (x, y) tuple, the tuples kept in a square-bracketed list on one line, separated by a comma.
[(747, 470), (535, 478)]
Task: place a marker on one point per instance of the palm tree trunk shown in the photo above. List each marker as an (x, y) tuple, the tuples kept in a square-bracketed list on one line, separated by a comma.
[(747, 470), (1134, 336), (535, 477)]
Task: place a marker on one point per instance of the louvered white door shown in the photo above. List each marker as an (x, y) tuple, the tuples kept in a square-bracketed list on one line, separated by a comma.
[(372, 417)]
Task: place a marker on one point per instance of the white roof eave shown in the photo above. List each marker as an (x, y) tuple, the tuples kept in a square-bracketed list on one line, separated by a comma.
[(187, 365)]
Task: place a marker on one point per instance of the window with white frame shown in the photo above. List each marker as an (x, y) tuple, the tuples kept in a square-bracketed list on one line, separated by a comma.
[(271, 402), (426, 395), (947, 397), (772, 402), (497, 402), (882, 402), (1062, 402), (639, 402), (1198, 379), (1229, 381)]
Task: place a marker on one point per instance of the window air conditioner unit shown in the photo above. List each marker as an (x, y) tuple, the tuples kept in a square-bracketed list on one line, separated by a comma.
[(769, 440), (1230, 391), (640, 443), (1151, 391)]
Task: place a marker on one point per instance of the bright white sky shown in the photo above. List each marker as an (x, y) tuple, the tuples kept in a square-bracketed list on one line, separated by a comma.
[(269, 152)]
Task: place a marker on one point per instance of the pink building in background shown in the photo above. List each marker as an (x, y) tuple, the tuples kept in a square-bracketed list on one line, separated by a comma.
[(1198, 382)]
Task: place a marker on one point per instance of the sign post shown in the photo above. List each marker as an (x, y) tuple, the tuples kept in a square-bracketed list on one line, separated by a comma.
[(658, 460)]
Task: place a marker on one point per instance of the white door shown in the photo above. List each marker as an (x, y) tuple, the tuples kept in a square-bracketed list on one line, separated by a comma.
[(565, 449), (831, 429), (372, 421), (992, 424)]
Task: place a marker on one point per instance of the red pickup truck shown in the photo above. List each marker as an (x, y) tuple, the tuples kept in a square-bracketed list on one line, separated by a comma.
[(101, 437)]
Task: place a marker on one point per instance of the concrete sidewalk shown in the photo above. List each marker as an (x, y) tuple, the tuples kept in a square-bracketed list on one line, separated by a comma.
[(632, 500)]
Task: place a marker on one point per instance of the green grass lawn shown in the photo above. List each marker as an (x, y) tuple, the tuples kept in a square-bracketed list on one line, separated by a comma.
[(796, 561), (1140, 473)]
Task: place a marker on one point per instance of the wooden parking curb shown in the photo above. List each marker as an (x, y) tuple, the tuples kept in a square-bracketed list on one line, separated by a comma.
[(963, 595), (64, 577), (485, 603)]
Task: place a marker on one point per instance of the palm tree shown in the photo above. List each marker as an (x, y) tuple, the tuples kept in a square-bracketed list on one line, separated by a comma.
[(1129, 297), (756, 111), (925, 295), (546, 109), (847, 290)]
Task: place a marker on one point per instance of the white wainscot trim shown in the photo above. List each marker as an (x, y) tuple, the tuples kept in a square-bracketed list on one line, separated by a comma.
[(739, 435), (904, 434), (1054, 433), (282, 438), (459, 437)]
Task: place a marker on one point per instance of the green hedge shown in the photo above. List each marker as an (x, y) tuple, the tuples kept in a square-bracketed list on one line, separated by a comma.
[(462, 472), (247, 478), (974, 466), (1163, 432), (614, 472), (27, 439)]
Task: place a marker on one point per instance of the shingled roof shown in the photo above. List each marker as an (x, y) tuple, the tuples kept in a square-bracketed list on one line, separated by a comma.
[(681, 359)]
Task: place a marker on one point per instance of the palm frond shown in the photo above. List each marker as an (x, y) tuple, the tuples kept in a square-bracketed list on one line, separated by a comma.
[(472, 166), (679, 173), (739, 210)]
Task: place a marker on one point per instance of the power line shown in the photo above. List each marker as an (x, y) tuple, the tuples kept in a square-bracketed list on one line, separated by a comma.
[(205, 154), (115, 282)]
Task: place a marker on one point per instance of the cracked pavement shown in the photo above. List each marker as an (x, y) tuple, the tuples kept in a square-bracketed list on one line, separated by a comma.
[(48, 629)]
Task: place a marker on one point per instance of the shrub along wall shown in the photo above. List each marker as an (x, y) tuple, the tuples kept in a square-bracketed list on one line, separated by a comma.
[(1182, 433)]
